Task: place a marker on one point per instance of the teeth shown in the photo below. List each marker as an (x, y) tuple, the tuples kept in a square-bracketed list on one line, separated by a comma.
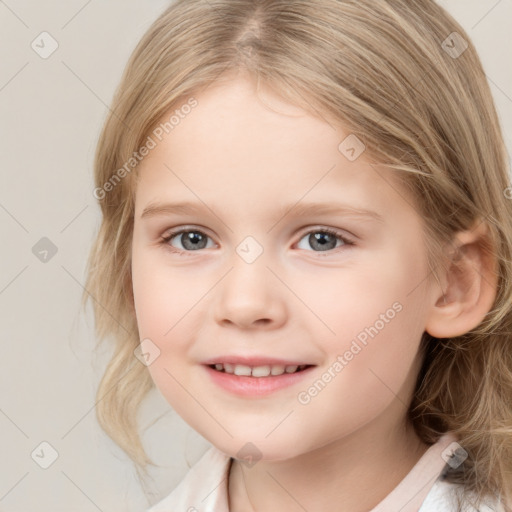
[(277, 369), (258, 371), (261, 371), (242, 370)]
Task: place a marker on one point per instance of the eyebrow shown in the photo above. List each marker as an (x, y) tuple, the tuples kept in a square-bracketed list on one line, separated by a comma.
[(299, 209)]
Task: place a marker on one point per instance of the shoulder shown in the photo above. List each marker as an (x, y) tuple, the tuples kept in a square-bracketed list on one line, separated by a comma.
[(444, 497), (204, 487)]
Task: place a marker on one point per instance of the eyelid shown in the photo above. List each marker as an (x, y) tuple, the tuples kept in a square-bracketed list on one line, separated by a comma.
[(348, 239)]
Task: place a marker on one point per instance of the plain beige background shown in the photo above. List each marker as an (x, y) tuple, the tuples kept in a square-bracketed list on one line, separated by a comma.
[(51, 112)]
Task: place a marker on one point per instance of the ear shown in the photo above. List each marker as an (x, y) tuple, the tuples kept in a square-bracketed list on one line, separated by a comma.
[(469, 284)]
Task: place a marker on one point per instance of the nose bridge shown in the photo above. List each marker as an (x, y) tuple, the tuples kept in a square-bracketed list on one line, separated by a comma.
[(249, 275), (248, 292)]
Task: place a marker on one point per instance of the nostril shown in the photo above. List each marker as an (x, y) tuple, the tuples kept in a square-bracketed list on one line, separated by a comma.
[(262, 321)]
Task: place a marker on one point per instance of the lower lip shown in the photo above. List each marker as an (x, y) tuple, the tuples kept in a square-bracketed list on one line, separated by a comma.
[(255, 386)]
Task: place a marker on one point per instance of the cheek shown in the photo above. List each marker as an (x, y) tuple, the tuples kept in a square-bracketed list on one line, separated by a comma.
[(368, 378), (159, 307), (381, 327), (165, 302), (161, 296), (378, 319), (383, 291)]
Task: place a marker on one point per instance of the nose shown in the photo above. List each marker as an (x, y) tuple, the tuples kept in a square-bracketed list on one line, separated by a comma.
[(250, 296)]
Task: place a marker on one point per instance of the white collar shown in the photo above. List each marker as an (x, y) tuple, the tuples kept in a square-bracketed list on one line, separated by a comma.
[(205, 486)]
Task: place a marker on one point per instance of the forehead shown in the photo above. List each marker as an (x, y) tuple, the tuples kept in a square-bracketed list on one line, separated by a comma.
[(239, 145)]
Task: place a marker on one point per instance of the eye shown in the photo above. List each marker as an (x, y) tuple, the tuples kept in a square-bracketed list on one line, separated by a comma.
[(190, 240), (325, 239), (320, 239)]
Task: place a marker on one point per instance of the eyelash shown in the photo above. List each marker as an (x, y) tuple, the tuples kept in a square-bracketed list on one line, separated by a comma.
[(168, 237)]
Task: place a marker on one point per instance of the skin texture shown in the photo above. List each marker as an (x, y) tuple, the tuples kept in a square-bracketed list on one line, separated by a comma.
[(246, 158)]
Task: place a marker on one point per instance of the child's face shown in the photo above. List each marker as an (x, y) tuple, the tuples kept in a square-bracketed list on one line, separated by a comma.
[(302, 301)]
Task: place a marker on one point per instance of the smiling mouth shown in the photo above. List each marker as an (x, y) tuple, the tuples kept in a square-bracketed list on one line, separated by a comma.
[(258, 371)]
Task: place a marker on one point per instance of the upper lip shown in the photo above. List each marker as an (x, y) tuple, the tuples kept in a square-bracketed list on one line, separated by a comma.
[(254, 361)]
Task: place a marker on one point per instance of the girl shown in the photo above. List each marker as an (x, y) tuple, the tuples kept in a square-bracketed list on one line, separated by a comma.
[(306, 246)]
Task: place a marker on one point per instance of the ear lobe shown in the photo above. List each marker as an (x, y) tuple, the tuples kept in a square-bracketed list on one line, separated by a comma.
[(470, 285)]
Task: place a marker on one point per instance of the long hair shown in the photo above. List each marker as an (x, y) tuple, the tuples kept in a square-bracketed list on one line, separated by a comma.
[(405, 78)]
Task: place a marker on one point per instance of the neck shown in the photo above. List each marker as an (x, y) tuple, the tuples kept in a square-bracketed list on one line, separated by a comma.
[(353, 473)]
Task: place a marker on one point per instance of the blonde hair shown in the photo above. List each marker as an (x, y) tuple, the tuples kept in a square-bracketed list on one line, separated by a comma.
[(384, 70)]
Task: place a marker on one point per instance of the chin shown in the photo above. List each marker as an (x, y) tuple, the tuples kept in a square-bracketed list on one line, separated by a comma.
[(258, 448)]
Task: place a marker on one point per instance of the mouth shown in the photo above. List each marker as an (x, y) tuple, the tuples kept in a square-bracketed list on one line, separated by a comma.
[(257, 379), (260, 371)]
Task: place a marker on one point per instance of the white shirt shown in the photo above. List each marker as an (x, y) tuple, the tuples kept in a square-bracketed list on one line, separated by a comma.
[(205, 486)]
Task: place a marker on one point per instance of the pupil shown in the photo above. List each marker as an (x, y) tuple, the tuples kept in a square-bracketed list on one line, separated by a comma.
[(193, 240), (323, 241)]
